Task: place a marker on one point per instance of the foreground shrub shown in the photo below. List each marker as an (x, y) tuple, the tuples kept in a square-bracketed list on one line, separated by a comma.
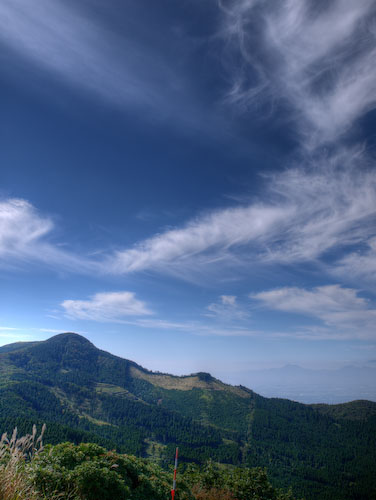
[(89, 472), (213, 482)]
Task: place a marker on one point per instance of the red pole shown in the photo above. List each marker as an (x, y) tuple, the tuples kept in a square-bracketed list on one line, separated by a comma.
[(174, 481)]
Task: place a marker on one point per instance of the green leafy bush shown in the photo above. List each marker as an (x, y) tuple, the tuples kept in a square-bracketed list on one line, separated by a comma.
[(239, 483), (89, 472)]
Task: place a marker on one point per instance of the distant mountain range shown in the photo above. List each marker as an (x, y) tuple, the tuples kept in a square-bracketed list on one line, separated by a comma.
[(315, 386), (86, 394)]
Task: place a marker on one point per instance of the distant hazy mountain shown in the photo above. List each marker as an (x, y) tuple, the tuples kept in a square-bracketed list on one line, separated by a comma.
[(315, 386), (83, 393)]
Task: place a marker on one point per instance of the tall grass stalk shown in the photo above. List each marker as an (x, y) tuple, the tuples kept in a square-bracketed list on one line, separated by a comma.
[(15, 453)]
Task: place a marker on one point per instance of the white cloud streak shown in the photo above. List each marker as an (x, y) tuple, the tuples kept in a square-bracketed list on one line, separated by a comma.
[(12, 334), (121, 307), (106, 307), (360, 264), (63, 41), (229, 300), (309, 213), (305, 55), (20, 227), (320, 59), (208, 240), (195, 328), (350, 315), (24, 236), (70, 43), (306, 211), (226, 309)]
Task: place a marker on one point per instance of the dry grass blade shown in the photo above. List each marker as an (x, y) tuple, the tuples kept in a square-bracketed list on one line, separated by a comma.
[(14, 454)]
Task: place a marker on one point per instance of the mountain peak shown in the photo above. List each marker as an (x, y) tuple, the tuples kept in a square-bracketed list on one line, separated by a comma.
[(69, 337)]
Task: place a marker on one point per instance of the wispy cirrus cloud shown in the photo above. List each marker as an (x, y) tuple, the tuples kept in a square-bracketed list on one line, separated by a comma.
[(306, 213), (226, 309), (13, 334), (360, 264), (195, 327), (207, 240), (328, 206), (339, 308), (319, 58), (106, 307), (24, 239), (20, 227), (126, 309), (59, 38), (301, 53), (71, 42)]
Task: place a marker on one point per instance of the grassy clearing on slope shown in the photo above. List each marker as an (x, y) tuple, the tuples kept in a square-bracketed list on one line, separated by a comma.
[(186, 383)]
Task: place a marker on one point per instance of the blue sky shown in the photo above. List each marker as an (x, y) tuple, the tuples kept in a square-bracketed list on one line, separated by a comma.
[(191, 185)]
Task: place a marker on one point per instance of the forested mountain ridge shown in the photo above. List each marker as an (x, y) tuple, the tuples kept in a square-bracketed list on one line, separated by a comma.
[(87, 394)]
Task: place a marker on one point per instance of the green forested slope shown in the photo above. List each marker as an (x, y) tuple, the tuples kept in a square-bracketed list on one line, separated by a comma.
[(85, 394)]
